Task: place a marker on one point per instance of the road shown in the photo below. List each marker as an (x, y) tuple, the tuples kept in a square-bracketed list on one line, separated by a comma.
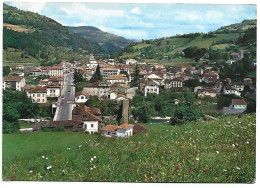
[(68, 91)]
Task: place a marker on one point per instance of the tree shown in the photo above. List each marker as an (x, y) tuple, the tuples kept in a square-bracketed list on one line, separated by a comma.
[(96, 76), (185, 113), (136, 76), (6, 70)]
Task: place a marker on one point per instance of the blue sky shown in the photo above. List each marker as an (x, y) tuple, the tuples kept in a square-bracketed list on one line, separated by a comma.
[(142, 21)]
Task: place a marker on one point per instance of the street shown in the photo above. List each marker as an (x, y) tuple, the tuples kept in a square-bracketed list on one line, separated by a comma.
[(68, 91)]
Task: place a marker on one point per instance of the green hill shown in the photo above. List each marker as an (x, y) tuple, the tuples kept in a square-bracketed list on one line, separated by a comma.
[(38, 37), (169, 50), (207, 151), (109, 43)]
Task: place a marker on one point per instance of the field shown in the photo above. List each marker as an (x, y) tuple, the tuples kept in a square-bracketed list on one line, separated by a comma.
[(205, 151)]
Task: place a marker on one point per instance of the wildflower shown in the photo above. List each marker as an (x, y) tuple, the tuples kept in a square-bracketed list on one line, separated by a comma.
[(40, 176), (68, 148), (95, 157), (198, 130), (217, 152), (63, 171), (31, 171), (224, 170), (238, 168), (80, 146), (49, 167), (43, 156), (229, 122), (197, 159), (247, 142), (177, 167), (94, 166), (89, 140), (233, 145), (91, 168)]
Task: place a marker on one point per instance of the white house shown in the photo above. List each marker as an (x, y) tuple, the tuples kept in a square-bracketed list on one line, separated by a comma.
[(110, 71), (14, 83), (56, 71), (150, 87), (238, 86), (121, 78), (53, 89), (19, 67), (130, 62), (124, 130), (99, 89), (230, 90), (81, 97), (38, 94), (239, 104)]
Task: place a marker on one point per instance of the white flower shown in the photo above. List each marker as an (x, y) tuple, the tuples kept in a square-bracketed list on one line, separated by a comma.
[(31, 171), (49, 167), (94, 166), (233, 145), (68, 148), (89, 140), (198, 130), (63, 171), (238, 168), (197, 159), (229, 122), (40, 176), (217, 152), (46, 158), (43, 156), (247, 142), (91, 168), (224, 170), (95, 157), (80, 146)]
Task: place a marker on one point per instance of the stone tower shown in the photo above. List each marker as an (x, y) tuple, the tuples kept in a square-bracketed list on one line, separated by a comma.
[(125, 111)]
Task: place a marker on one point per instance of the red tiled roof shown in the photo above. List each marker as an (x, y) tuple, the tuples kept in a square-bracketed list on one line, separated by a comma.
[(125, 126), (12, 78), (81, 93), (109, 128), (38, 89), (238, 102)]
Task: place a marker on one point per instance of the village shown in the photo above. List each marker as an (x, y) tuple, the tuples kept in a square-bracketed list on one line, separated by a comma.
[(117, 84)]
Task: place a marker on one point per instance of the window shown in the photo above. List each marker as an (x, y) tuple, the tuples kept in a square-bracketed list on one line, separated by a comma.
[(42, 100), (33, 95), (92, 125), (38, 95), (82, 97)]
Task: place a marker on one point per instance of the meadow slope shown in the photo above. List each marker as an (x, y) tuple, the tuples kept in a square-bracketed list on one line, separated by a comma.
[(204, 151)]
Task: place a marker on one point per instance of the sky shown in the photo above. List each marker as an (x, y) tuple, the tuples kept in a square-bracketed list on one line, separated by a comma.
[(142, 21)]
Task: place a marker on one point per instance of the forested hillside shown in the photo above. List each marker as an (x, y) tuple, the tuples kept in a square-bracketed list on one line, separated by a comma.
[(108, 42), (214, 45), (40, 37)]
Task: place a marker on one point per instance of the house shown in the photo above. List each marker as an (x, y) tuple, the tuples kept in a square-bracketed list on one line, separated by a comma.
[(14, 83), (56, 71), (228, 90), (55, 79), (19, 67), (35, 72), (109, 131), (239, 104), (236, 56), (149, 86), (175, 84), (53, 89), (121, 78), (206, 92), (91, 118), (81, 97), (130, 62), (43, 83), (124, 130), (20, 74), (38, 94), (230, 62), (239, 86), (110, 71), (99, 89)]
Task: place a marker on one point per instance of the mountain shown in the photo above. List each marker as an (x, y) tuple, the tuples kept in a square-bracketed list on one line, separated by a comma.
[(109, 43), (41, 38), (170, 50)]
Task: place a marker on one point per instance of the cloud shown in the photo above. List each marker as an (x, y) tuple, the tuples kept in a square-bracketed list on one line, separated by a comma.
[(143, 20), (30, 6), (136, 10)]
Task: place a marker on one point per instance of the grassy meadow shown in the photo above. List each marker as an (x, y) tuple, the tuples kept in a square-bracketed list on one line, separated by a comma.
[(204, 151)]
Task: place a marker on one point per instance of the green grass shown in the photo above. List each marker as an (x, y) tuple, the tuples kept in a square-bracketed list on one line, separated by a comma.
[(220, 151)]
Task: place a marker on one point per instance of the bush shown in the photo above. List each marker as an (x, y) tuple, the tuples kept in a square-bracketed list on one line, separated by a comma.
[(58, 129), (185, 113), (87, 132)]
